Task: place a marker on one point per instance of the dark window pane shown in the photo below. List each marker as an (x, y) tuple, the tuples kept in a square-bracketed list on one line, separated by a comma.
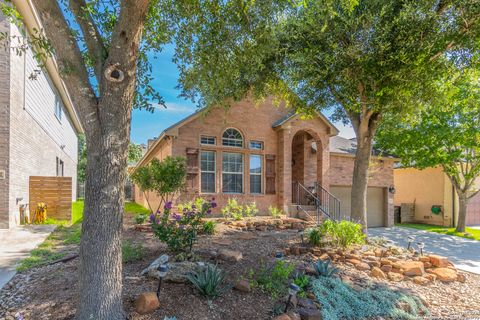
[(232, 183), (257, 145), (232, 138), (208, 182), (207, 140), (255, 184)]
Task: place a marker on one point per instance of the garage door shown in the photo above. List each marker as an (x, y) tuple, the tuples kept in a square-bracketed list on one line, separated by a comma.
[(473, 211), (375, 204)]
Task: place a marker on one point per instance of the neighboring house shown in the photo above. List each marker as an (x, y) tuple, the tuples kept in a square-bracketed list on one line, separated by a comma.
[(38, 125), (421, 190), (267, 154)]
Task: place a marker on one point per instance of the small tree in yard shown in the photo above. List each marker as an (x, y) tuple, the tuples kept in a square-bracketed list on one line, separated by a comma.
[(165, 178), (445, 134), (364, 59)]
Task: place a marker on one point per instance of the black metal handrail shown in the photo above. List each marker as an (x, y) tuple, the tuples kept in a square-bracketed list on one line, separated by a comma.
[(324, 202)]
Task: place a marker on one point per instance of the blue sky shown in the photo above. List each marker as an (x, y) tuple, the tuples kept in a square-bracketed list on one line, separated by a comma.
[(147, 125)]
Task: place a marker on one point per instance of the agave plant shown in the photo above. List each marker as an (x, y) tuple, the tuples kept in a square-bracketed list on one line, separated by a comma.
[(324, 269), (209, 281)]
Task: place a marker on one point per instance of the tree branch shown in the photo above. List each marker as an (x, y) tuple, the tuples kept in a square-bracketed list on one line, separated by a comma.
[(91, 35), (69, 59)]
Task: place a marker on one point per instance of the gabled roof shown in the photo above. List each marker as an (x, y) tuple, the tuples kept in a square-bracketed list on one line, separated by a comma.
[(293, 115), (32, 23)]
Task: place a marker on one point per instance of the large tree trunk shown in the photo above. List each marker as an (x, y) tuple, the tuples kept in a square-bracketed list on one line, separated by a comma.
[(462, 212), (360, 177), (101, 245)]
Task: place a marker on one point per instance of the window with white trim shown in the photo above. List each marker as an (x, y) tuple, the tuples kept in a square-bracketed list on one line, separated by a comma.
[(60, 167), (208, 140), (232, 172), (207, 171), (256, 170), (232, 138), (256, 145), (58, 109)]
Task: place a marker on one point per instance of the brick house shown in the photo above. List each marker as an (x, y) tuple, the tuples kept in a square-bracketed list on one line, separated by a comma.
[(267, 154), (38, 124)]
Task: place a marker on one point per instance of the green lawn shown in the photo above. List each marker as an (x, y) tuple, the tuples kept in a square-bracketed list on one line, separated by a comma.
[(470, 233), (68, 233)]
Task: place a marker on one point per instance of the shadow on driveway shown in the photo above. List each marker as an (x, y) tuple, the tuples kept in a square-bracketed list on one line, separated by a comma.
[(463, 253)]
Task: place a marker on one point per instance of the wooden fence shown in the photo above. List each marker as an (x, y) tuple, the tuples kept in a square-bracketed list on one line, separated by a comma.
[(55, 192)]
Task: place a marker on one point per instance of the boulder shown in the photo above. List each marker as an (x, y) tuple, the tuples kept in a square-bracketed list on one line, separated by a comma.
[(374, 264), (461, 278), (438, 261), (386, 268), (229, 255), (353, 261), (445, 274), (410, 268), (362, 266), (431, 277), (424, 259), (395, 277), (178, 271), (377, 273), (378, 252), (420, 280), (385, 262), (151, 270), (243, 286), (146, 302), (306, 303), (282, 317), (310, 314)]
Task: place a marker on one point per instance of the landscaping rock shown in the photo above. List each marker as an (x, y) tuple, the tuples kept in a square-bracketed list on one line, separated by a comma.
[(439, 261), (282, 317), (309, 314), (386, 262), (151, 270), (386, 268), (431, 277), (410, 268), (445, 274), (377, 273), (306, 303), (461, 278), (293, 315), (395, 277), (222, 242), (421, 280), (243, 286), (362, 266), (353, 261), (374, 264), (229, 255), (146, 302)]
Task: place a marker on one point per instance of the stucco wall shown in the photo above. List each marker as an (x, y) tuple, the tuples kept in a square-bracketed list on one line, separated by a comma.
[(37, 137), (424, 188)]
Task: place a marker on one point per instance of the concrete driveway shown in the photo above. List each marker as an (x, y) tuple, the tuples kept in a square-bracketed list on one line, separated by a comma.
[(464, 253), (16, 244)]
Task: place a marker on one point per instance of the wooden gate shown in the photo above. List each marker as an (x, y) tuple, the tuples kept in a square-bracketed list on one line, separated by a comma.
[(55, 192)]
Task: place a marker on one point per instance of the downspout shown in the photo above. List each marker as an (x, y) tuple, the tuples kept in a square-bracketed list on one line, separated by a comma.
[(454, 223)]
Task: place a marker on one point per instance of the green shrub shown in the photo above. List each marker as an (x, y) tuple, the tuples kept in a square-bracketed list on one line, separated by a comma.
[(324, 269), (234, 210), (342, 233), (275, 212), (180, 232), (208, 282), (314, 236), (303, 282), (273, 280), (209, 227), (132, 251), (140, 218), (340, 301)]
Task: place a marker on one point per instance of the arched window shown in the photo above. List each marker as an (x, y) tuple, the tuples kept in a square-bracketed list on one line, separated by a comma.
[(232, 138)]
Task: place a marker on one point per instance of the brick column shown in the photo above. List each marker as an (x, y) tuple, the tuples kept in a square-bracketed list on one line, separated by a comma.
[(284, 169)]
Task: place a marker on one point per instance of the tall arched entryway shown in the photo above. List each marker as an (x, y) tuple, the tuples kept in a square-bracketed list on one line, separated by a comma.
[(307, 160)]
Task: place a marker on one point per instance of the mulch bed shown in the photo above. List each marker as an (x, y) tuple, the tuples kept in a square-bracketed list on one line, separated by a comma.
[(49, 292)]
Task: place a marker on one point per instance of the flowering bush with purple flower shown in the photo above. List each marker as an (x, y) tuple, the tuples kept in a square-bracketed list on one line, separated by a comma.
[(179, 231)]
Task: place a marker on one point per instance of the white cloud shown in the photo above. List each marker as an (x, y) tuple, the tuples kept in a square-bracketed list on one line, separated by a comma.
[(173, 107)]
